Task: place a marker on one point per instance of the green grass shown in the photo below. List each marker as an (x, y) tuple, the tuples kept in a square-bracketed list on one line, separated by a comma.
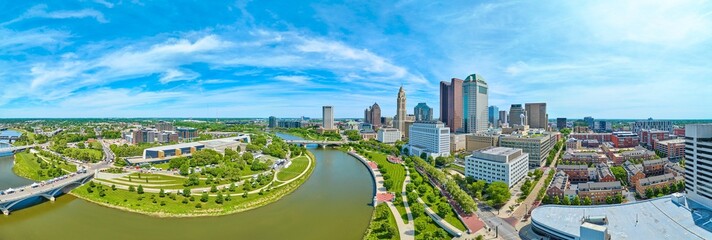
[(26, 166), (401, 210), (298, 166), (164, 166), (126, 200), (396, 171), (167, 182)]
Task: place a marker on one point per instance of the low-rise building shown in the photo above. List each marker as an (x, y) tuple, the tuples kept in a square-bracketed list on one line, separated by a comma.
[(187, 133), (576, 173), (625, 139), (573, 144), (508, 165), (537, 146), (600, 137), (604, 174), (475, 142), (634, 172), (559, 184), (368, 135), (648, 137), (658, 182), (388, 135), (458, 141), (598, 191), (584, 157), (654, 167), (672, 149)]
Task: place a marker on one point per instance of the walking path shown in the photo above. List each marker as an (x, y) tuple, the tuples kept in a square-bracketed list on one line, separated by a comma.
[(527, 204), (406, 231), (410, 227)]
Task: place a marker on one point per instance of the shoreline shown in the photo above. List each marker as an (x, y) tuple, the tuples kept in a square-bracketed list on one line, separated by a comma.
[(279, 194)]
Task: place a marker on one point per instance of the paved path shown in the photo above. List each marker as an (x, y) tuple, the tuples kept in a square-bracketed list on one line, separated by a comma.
[(410, 227), (406, 231), (471, 221)]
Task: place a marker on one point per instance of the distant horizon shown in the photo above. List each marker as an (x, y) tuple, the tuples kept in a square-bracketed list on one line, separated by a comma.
[(311, 118)]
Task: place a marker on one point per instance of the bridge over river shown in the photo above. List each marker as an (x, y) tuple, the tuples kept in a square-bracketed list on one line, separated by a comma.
[(26, 195)]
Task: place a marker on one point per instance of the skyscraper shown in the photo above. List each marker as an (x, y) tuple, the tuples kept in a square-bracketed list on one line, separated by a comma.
[(451, 104), (474, 92), (401, 112), (423, 112), (561, 123), (698, 155), (272, 123), (589, 122), (493, 115), (372, 115), (515, 111), (503, 117), (536, 115), (327, 113)]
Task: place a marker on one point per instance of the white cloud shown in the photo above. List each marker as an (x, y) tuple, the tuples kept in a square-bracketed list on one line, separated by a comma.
[(15, 41), (293, 79), (173, 75), (40, 11), (105, 3)]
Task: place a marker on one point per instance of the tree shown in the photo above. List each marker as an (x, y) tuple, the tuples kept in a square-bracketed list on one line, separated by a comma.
[(565, 200), (244, 195), (577, 200), (417, 209), (587, 201), (555, 200), (609, 200), (184, 169), (131, 188), (113, 187), (649, 193), (618, 198), (443, 209), (477, 188), (620, 174), (420, 225), (213, 189), (140, 189), (204, 197), (498, 193), (232, 187), (161, 193), (388, 184), (186, 192), (219, 198)]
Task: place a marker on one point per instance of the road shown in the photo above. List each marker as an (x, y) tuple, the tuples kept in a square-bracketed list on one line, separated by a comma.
[(504, 229)]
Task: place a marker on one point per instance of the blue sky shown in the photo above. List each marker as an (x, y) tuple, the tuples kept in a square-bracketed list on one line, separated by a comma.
[(104, 58)]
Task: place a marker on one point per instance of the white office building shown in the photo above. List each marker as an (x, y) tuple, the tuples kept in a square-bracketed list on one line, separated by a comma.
[(328, 117), (509, 165), (698, 163), (431, 138), (388, 135), (663, 125)]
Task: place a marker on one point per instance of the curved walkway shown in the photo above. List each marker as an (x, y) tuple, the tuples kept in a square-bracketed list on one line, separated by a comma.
[(406, 231)]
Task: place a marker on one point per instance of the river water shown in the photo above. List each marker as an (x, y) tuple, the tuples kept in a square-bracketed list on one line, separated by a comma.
[(332, 204)]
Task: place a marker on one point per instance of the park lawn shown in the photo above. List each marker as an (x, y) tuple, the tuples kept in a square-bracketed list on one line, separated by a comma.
[(396, 171), (451, 216), (67, 167), (460, 169), (129, 201), (298, 166), (164, 166), (401, 211), (26, 166)]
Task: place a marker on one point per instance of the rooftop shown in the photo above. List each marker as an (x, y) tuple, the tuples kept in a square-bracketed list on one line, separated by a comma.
[(175, 146), (653, 219), (502, 151)]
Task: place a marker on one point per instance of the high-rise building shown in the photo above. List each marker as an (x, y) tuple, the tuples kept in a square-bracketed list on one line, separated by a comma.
[(493, 117), (474, 92), (429, 138), (698, 155), (164, 126), (652, 124), (423, 112), (589, 122), (537, 147), (327, 113), (401, 112), (272, 122), (515, 115), (560, 123), (187, 133), (372, 115), (451, 104), (536, 115), (503, 117)]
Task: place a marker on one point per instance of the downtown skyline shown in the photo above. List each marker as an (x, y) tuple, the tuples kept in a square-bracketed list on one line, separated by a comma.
[(251, 59)]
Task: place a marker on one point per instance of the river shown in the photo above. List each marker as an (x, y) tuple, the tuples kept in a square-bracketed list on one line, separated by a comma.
[(332, 204)]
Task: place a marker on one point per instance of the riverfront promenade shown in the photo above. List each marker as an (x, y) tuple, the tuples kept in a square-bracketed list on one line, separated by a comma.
[(405, 230)]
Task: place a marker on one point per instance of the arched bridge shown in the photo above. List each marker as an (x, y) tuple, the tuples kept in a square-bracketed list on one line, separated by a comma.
[(320, 143), (16, 149), (25, 196)]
